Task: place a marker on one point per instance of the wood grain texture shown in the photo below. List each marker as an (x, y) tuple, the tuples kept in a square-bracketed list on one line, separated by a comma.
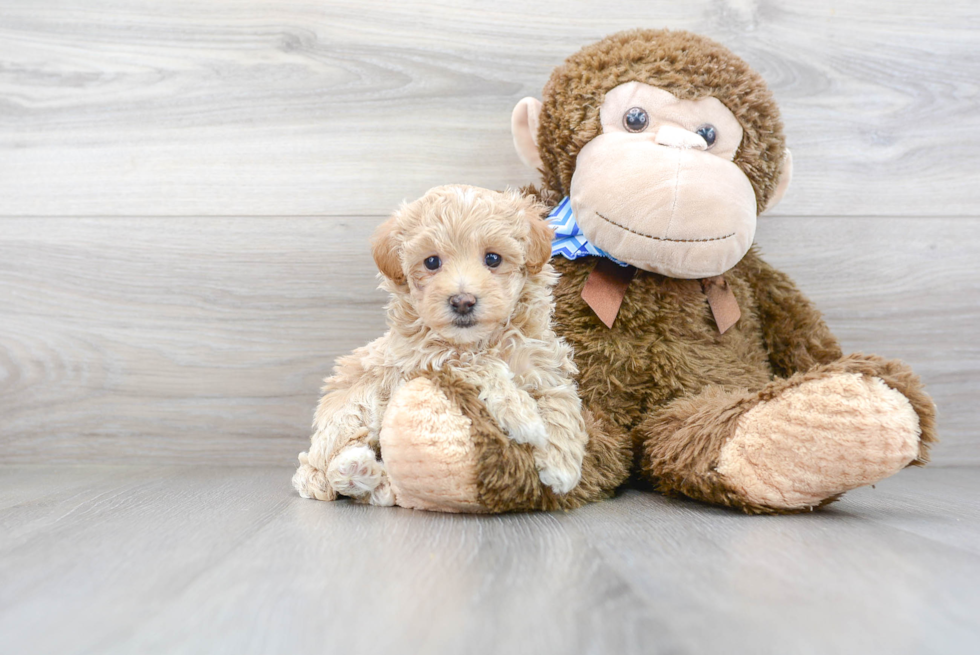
[(176, 339), (201, 560), (341, 108), (205, 340)]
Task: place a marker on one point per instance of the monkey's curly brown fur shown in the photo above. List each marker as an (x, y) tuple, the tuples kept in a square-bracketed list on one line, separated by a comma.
[(687, 65)]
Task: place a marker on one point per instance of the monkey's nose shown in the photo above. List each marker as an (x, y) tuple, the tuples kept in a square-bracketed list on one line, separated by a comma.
[(678, 137), (462, 303)]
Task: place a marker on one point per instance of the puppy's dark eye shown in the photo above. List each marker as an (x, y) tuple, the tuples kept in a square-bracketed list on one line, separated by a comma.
[(493, 259), (635, 119), (433, 263), (708, 133)]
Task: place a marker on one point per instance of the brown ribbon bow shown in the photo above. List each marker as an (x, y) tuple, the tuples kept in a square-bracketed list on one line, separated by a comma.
[(606, 286)]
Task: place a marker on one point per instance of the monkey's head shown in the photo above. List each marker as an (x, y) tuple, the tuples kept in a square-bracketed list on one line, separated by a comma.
[(668, 145)]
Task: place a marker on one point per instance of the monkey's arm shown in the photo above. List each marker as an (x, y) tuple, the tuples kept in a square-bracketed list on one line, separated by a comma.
[(511, 407), (551, 381), (794, 330), (539, 406)]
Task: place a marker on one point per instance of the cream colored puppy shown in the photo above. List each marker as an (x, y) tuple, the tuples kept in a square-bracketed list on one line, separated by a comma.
[(470, 285)]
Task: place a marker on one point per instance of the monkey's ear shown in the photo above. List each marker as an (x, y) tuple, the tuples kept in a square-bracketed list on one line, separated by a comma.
[(384, 246), (524, 127), (539, 244), (785, 176)]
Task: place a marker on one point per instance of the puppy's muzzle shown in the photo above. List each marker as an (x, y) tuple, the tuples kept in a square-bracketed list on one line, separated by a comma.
[(462, 304)]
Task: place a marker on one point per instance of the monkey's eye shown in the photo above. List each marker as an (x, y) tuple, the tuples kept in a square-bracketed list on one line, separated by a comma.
[(493, 259), (635, 120), (708, 133), (433, 263)]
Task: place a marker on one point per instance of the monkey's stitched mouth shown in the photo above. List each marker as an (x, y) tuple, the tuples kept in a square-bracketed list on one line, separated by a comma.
[(650, 236)]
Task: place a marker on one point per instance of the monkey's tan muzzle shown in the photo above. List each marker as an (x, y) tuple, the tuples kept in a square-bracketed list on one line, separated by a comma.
[(670, 209)]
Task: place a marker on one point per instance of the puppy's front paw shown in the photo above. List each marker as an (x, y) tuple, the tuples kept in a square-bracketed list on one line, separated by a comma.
[(532, 432), (560, 480), (355, 472), (311, 482), (383, 495)]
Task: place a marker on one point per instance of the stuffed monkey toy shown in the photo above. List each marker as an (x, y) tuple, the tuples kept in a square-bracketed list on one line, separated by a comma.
[(700, 366)]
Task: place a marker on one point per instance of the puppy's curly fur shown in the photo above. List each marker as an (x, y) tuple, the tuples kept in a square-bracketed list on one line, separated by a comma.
[(471, 293)]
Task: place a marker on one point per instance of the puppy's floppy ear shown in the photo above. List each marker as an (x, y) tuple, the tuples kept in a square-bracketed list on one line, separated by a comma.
[(385, 246), (538, 241)]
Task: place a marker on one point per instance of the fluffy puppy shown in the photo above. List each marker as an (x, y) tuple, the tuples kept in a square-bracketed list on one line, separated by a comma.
[(470, 285)]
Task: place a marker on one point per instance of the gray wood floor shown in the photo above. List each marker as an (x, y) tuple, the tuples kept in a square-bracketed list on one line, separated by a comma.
[(229, 560)]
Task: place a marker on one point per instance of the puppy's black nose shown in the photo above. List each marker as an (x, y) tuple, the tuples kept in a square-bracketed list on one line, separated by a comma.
[(462, 303)]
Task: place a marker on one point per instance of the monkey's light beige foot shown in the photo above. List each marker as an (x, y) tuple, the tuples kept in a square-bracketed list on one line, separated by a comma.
[(428, 450), (820, 439)]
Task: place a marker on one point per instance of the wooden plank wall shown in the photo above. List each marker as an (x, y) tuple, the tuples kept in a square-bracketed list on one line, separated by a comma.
[(187, 188)]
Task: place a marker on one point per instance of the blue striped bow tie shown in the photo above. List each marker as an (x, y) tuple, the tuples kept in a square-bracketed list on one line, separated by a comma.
[(569, 241)]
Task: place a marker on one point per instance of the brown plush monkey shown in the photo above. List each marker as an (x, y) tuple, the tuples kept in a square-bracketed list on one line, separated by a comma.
[(697, 360)]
